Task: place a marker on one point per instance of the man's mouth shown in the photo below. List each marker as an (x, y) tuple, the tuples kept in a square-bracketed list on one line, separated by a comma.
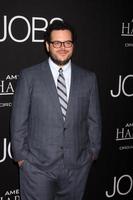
[(62, 52)]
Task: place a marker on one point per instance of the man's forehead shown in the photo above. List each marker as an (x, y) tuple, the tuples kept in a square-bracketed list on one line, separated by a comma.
[(61, 32)]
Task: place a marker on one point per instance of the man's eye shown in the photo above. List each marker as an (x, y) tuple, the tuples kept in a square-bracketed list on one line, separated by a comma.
[(57, 43)]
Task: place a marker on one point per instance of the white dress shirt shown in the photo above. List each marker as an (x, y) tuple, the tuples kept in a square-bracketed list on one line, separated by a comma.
[(66, 71)]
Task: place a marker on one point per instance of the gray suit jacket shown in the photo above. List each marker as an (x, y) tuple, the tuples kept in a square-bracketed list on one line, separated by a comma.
[(38, 132)]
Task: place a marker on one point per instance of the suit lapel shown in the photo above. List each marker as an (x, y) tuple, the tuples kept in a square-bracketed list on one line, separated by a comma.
[(72, 95), (51, 89)]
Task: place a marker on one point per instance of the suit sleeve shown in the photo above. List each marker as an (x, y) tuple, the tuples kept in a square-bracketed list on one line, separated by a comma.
[(94, 119), (19, 119)]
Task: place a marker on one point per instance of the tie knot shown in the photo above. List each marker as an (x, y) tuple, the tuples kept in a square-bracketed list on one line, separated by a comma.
[(60, 70)]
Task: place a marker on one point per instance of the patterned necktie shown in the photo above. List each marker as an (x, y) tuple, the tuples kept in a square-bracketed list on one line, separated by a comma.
[(62, 92)]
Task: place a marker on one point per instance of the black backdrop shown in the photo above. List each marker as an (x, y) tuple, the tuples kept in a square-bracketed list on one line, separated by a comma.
[(105, 45)]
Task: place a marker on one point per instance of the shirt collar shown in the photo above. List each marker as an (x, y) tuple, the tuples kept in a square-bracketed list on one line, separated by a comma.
[(56, 67)]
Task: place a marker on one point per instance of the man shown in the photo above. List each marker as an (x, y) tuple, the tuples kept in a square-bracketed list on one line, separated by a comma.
[(56, 123)]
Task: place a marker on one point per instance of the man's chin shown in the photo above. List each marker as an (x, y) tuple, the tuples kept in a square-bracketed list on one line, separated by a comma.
[(60, 62)]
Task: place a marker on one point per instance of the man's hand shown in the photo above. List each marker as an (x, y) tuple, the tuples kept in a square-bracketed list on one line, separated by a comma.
[(20, 162)]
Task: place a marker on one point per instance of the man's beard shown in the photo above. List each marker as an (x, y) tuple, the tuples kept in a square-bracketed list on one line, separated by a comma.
[(59, 62)]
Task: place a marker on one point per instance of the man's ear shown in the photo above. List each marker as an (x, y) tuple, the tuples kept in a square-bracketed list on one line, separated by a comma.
[(47, 46)]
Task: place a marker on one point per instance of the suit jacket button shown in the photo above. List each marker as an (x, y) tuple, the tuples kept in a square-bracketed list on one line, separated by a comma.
[(61, 147)]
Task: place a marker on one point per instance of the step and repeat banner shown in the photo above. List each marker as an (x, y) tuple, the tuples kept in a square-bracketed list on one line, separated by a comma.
[(104, 45)]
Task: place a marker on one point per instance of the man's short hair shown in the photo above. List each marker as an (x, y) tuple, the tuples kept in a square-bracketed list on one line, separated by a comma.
[(58, 25)]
